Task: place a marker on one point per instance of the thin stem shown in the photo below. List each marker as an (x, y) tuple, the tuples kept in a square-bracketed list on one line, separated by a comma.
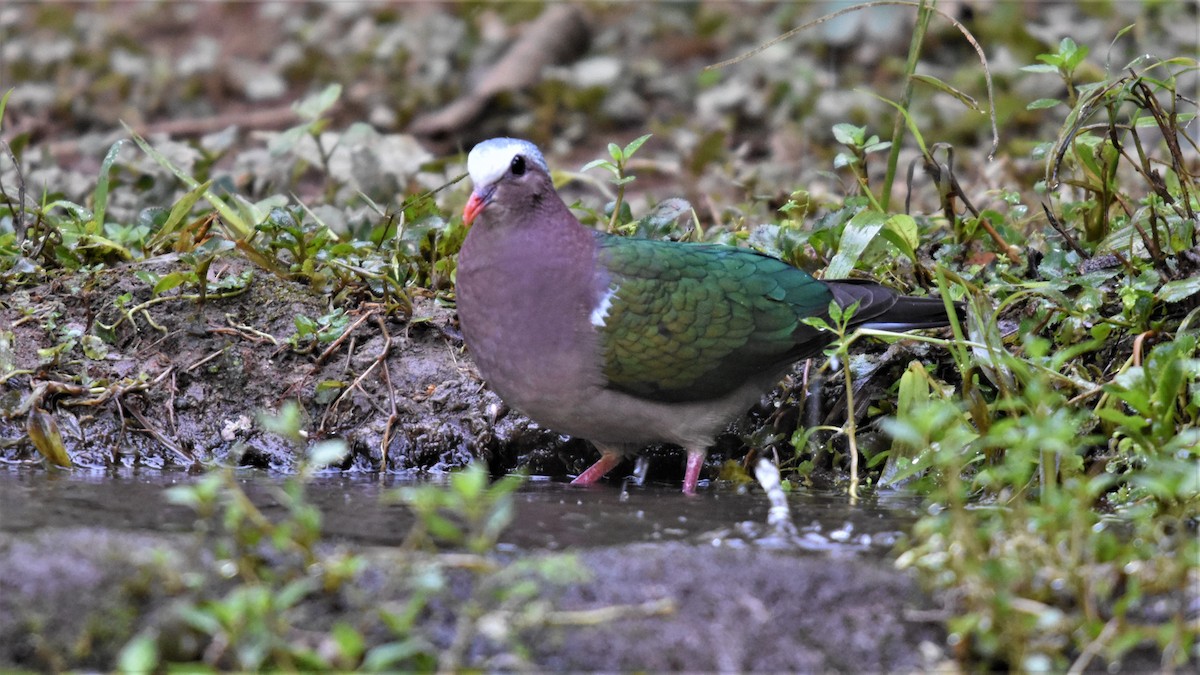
[(616, 212), (924, 13), (851, 428)]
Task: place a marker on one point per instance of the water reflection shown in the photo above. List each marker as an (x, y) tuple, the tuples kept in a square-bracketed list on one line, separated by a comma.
[(550, 514)]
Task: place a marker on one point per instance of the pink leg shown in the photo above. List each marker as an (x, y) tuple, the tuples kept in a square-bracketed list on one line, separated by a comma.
[(607, 462), (691, 475)]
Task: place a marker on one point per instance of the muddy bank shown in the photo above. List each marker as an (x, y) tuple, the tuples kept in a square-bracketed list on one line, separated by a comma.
[(70, 598)]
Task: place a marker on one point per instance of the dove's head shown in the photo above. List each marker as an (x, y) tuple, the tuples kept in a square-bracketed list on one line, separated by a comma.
[(509, 170)]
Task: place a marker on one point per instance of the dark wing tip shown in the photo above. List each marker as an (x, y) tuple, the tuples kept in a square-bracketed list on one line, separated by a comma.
[(882, 308)]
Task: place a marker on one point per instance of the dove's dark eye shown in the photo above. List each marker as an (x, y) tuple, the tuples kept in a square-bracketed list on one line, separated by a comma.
[(518, 166)]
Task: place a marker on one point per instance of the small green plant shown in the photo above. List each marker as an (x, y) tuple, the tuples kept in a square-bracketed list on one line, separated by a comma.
[(293, 240), (198, 260), (312, 333), (470, 514), (1063, 63), (618, 166), (1023, 476), (1146, 405), (839, 352), (865, 239), (859, 147), (1039, 574)]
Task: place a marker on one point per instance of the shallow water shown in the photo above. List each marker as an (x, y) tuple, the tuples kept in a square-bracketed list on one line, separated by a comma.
[(550, 514)]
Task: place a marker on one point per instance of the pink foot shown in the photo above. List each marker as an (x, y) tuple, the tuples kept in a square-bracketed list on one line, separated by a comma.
[(691, 475), (607, 462)]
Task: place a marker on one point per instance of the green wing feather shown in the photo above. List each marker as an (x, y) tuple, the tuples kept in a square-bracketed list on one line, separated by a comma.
[(692, 322)]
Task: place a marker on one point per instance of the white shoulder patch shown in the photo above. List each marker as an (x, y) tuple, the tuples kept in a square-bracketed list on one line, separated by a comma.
[(489, 160), (600, 313)]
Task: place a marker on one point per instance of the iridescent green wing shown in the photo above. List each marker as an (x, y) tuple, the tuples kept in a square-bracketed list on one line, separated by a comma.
[(693, 322)]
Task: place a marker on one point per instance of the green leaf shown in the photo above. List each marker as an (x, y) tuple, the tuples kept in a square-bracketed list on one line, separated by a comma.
[(202, 619), (874, 145), (1170, 382), (349, 641), (507, 485), (635, 144), (849, 135), (178, 212), (913, 395), (835, 312), (1073, 54), (284, 142), (859, 232), (1124, 239), (1180, 289), (305, 325), (286, 423), (963, 97), (315, 105), (597, 163), (100, 196), (442, 528), (817, 322), (470, 483), (94, 241), (394, 655), (901, 231), (1132, 388), (1040, 68), (497, 520), (169, 281), (908, 122), (77, 212), (1129, 422), (1043, 103), (139, 655), (914, 388), (292, 593)]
